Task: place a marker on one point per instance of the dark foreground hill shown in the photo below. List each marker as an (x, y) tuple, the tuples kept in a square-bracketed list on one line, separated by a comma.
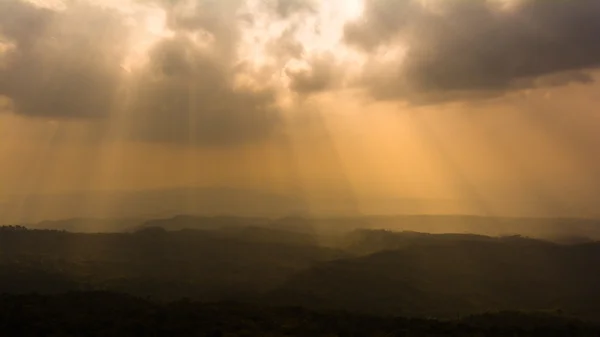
[(449, 275), (205, 265), (108, 314), (374, 272)]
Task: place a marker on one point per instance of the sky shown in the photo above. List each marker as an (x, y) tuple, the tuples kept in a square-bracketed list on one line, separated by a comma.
[(490, 106)]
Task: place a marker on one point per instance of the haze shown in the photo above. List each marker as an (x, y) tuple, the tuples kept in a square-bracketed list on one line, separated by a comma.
[(299, 168), (279, 107)]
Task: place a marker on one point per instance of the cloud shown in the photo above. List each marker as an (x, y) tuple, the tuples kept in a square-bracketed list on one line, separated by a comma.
[(210, 72), (320, 74), (68, 64), (470, 46), (286, 46), (187, 95), (63, 64), (219, 19), (286, 8), (188, 92)]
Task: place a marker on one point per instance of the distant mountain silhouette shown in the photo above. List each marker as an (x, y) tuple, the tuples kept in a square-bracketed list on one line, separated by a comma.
[(150, 204)]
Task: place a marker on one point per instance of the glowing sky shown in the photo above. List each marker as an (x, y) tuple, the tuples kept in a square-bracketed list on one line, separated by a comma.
[(490, 104)]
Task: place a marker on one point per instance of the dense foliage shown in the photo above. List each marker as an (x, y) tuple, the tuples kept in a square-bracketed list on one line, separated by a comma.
[(108, 314)]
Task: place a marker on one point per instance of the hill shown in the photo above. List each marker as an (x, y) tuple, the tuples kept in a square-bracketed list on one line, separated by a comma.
[(109, 314), (207, 265), (561, 230), (446, 275), (375, 272)]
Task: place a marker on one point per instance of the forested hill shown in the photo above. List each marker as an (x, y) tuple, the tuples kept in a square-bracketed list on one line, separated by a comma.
[(375, 272), (115, 315)]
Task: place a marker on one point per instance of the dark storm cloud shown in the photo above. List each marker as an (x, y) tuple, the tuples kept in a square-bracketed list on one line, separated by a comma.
[(465, 46), (63, 64)]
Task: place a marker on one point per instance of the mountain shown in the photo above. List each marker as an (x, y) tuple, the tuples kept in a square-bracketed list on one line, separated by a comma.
[(552, 229), (369, 271), (206, 265), (89, 225), (329, 230), (446, 275), (149, 204)]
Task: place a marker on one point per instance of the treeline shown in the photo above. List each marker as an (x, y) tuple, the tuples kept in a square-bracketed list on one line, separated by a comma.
[(20, 228), (109, 314)]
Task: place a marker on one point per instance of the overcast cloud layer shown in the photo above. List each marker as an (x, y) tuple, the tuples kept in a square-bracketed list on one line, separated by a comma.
[(215, 72)]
